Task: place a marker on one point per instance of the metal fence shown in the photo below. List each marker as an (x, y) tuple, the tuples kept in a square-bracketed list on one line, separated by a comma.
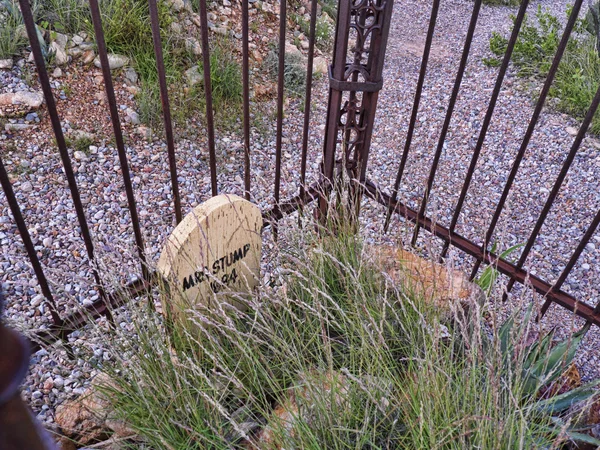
[(355, 79)]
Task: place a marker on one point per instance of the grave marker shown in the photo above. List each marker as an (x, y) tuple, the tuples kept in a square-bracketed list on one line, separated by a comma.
[(217, 246)]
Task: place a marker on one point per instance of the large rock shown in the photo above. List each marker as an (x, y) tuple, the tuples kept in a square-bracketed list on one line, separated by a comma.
[(6, 63), (88, 418), (60, 54), (193, 76), (13, 104), (114, 61), (437, 284), (320, 66)]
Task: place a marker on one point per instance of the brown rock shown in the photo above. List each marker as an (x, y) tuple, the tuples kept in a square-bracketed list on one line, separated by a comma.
[(437, 284)]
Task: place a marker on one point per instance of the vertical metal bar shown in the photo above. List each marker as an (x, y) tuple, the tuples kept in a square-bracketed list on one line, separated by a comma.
[(308, 95), (246, 100), (376, 62), (280, 89), (31, 253), (333, 108), (60, 138), (210, 123), (164, 96), (413, 118), (487, 119), (573, 260), (114, 115), (534, 118), (451, 105), (557, 185)]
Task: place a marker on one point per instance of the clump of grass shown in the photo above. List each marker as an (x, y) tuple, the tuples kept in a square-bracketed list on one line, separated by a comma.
[(294, 71), (13, 38), (579, 71), (355, 361), (501, 2)]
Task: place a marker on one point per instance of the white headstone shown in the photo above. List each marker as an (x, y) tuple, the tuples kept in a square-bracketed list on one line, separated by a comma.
[(216, 248)]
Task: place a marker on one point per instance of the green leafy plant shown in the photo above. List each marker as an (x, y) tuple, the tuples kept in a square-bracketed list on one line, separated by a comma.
[(489, 275), (579, 71)]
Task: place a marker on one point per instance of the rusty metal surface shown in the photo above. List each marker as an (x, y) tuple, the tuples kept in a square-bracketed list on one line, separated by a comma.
[(166, 107)]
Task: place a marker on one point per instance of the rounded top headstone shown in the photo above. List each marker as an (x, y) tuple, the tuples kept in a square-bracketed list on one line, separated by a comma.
[(216, 248)]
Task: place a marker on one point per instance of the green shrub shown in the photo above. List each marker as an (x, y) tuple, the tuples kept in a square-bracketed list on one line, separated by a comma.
[(67, 16), (294, 73), (13, 37), (578, 74), (359, 363)]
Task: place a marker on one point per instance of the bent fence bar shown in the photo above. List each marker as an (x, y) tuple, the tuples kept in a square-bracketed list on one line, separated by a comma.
[(355, 78)]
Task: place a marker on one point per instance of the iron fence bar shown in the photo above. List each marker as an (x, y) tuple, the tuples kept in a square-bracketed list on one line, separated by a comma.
[(114, 115), (573, 260), (308, 95), (557, 185), (210, 122), (487, 119), (449, 112), (246, 97), (280, 93), (565, 300), (333, 106), (26, 238), (166, 107), (530, 129), (415, 109), (78, 319), (40, 64), (310, 194)]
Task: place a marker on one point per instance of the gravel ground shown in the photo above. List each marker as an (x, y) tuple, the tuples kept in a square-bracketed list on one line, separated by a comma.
[(45, 200)]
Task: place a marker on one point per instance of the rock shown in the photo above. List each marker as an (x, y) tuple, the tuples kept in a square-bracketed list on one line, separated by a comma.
[(27, 186), (572, 131), (87, 419), (47, 242), (298, 410), (19, 103), (17, 126), (193, 76), (114, 61), (31, 117), (57, 73), (177, 5), (257, 56), (60, 39), (60, 54), (80, 156), (77, 39), (144, 132), (292, 50), (131, 75), (132, 116), (193, 45), (176, 27), (88, 56), (6, 63), (435, 283), (320, 65), (304, 45)]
